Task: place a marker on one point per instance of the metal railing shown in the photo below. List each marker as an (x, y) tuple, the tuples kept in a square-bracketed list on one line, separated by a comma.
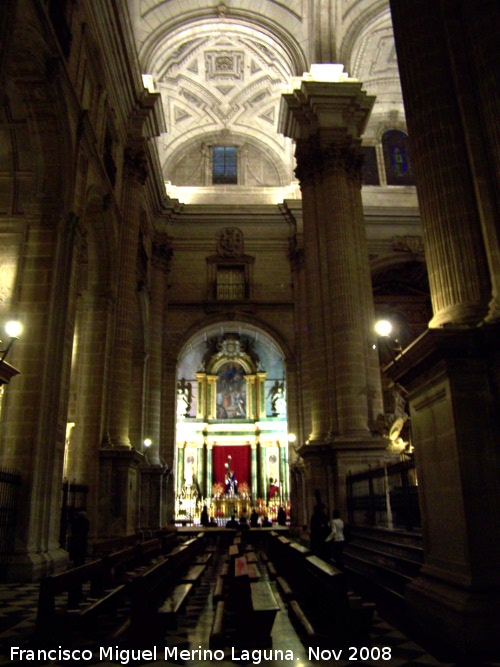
[(386, 497)]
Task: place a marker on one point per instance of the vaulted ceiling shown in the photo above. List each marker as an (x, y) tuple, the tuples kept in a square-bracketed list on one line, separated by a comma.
[(221, 69)]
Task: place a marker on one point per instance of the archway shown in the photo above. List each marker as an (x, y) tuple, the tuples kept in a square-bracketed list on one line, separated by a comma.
[(231, 424)]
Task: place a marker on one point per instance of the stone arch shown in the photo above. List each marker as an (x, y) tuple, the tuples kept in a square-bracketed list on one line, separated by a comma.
[(205, 20), (221, 323), (200, 137), (33, 71)]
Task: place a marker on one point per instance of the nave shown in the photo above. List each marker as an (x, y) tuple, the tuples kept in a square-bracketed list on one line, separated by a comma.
[(194, 626)]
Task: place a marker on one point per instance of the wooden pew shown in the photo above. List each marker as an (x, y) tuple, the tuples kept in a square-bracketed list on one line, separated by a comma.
[(57, 620), (160, 593)]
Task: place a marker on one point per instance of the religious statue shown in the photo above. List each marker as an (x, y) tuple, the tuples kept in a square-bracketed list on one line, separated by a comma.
[(278, 399), (230, 481), (184, 398)]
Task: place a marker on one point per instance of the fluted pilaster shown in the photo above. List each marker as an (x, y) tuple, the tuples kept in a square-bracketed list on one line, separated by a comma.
[(157, 316), (135, 166)]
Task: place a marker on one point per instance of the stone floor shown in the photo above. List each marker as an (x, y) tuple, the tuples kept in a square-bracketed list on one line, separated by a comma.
[(387, 646)]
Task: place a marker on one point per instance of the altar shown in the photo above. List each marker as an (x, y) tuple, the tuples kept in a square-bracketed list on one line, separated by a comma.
[(231, 417)]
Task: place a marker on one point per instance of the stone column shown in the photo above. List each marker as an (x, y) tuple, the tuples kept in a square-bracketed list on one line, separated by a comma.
[(121, 360), (157, 316), (449, 75), (451, 152), (326, 116)]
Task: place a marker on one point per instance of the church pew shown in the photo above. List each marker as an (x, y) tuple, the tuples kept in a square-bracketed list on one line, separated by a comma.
[(55, 619), (320, 593), (252, 604), (160, 592)]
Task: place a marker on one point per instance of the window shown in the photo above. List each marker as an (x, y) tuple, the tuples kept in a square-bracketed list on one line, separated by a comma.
[(224, 169), (230, 283), (397, 158)]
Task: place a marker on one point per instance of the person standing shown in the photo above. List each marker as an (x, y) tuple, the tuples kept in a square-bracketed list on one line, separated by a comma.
[(337, 539)]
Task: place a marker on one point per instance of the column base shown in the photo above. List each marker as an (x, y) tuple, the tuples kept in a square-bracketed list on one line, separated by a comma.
[(459, 621), (30, 567), (119, 489)]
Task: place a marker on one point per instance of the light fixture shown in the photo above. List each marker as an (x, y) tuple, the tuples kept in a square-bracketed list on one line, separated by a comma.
[(147, 442), (292, 437), (13, 329), (388, 344), (383, 328)]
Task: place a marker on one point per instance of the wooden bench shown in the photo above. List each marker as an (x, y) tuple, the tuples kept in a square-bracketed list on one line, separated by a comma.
[(174, 604), (218, 593), (217, 632), (272, 570), (194, 574), (284, 588), (253, 606), (321, 591), (53, 619), (147, 592), (233, 551), (160, 592)]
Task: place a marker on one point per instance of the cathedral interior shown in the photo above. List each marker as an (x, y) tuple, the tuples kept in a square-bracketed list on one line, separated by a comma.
[(205, 209)]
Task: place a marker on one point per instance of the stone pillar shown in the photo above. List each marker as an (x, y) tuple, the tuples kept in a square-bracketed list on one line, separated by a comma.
[(157, 316), (326, 116), (121, 360), (34, 425), (119, 491), (452, 379), (451, 151), (152, 497), (449, 75), (327, 119)]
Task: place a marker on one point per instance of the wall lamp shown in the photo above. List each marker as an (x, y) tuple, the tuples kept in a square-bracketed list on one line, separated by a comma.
[(13, 329), (383, 329)]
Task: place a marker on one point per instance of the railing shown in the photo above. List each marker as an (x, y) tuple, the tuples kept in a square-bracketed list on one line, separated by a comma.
[(10, 484), (386, 497)]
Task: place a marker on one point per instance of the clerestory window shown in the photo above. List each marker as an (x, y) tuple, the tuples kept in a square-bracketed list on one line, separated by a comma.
[(224, 165)]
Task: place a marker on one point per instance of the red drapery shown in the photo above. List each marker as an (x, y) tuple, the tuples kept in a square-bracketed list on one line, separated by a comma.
[(240, 463)]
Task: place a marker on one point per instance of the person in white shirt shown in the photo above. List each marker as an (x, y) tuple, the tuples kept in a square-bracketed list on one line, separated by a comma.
[(337, 539)]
